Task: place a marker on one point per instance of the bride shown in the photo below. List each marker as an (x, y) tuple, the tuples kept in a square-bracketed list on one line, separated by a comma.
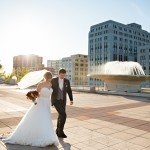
[(36, 128)]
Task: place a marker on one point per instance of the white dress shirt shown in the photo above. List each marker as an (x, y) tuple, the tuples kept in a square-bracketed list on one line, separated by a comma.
[(61, 83)]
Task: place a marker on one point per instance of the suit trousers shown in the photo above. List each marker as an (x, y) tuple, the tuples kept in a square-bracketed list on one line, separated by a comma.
[(60, 106)]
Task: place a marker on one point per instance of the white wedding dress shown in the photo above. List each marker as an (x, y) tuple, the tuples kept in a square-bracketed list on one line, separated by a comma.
[(36, 127)]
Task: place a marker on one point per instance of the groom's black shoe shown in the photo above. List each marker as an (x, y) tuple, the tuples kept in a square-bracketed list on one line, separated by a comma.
[(64, 135), (61, 135)]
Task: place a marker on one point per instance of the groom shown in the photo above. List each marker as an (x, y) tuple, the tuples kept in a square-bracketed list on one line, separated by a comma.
[(61, 86)]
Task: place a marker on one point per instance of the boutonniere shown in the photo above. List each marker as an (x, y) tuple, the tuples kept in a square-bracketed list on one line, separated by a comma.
[(65, 84)]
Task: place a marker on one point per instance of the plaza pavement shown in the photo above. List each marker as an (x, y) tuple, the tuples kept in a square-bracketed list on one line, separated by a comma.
[(95, 121)]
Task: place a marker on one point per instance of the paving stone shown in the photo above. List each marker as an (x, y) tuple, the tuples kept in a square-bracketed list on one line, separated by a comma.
[(123, 136), (127, 146), (94, 122), (140, 141)]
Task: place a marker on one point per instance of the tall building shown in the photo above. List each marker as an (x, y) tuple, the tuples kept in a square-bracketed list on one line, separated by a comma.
[(31, 62), (112, 41), (77, 69), (68, 66), (144, 58), (55, 64)]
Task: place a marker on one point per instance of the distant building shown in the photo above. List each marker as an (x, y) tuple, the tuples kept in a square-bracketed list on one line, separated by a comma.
[(144, 58), (67, 64), (114, 41), (77, 69), (31, 62), (55, 64)]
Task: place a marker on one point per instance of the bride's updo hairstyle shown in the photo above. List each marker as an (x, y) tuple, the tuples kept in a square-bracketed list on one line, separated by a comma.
[(48, 75)]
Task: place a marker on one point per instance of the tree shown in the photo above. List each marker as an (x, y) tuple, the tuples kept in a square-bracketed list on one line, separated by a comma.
[(19, 73), (2, 73), (8, 78)]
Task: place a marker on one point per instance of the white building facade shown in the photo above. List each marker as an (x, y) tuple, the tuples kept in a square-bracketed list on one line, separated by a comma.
[(144, 58), (55, 64)]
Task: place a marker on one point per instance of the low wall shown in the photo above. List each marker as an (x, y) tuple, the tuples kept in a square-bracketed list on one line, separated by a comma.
[(145, 92)]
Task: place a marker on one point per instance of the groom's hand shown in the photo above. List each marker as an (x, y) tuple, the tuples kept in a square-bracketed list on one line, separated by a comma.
[(71, 102)]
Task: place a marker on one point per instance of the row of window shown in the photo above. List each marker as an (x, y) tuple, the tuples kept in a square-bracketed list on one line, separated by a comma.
[(126, 40), (143, 50), (144, 67), (76, 64), (121, 58), (80, 78), (121, 40), (81, 69), (146, 39), (100, 28), (116, 57), (144, 57), (98, 33), (81, 73), (120, 29), (131, 31), (115, 47), (81, 60)]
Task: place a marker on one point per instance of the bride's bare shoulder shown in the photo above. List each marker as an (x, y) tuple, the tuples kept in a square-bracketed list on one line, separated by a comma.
[(40, 86)]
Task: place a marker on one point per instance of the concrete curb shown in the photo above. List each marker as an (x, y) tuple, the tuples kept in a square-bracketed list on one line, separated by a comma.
[(144, 95)]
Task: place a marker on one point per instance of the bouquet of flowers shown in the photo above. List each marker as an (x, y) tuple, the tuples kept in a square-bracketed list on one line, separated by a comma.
[(32, 95)]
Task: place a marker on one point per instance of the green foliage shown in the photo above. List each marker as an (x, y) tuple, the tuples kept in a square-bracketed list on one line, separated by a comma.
[(8, 78), (19, 73), (2, 74)]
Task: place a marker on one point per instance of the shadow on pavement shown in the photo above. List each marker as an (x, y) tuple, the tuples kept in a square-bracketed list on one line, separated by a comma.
[(65, 145), (22, 147)]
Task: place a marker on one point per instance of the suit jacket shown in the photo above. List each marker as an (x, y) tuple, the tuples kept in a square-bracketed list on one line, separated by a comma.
[(66, 89)]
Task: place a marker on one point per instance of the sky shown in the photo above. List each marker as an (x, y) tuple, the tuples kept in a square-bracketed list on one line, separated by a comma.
[(59, 28)]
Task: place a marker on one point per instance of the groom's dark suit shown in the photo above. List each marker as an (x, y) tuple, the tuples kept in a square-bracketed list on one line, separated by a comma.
[(58, 99)]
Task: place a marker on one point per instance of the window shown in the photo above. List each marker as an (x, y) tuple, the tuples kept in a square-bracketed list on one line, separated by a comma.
[(105, 37), (115, 37), (106, 26), (130, 41), (76, 64), (125, 58), (114, 26), (115, 32), (120, 28), (120, 33), (125, 40), (115, 57), (125, 29), (120, 57)]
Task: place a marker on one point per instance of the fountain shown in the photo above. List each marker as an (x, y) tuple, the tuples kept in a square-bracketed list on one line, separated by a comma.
[(120, 76)]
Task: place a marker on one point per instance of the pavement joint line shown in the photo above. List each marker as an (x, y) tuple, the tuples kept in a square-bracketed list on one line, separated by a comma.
[(100, 111)]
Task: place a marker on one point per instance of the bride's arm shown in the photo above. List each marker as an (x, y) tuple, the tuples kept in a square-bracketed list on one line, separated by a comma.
[(39, 86)]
